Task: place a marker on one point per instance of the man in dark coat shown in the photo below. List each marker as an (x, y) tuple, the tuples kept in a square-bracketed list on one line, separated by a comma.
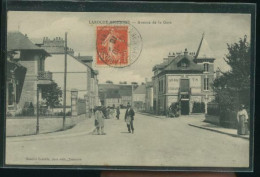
[(129, 118), (117, 112)]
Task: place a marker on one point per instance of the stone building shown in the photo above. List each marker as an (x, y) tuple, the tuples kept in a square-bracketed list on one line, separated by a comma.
[(184, 78), (139, 97), (115, 94), (25, 54), (149, 97)]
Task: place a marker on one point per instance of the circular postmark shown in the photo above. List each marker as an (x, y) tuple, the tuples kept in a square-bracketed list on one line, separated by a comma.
[(118, 45)]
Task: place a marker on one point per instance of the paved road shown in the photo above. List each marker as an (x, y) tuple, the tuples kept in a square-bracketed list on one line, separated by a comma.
[(166, 142)]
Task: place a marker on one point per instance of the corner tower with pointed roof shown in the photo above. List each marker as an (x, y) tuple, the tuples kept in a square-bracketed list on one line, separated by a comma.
[(184, 78)]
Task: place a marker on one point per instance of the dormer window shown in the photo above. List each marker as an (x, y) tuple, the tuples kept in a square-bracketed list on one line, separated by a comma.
[(184, 65)]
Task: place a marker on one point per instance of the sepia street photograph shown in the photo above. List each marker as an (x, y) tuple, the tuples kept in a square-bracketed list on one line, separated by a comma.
[(128, 89)]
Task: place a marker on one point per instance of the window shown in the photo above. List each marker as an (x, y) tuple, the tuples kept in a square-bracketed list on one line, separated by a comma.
[(184, 65), (10, 94), (206, 67), (41, 64), (206, 83)]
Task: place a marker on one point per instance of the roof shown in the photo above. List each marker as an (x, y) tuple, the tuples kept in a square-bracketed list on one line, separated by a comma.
[(112, 93), (92, 70), (172, 64), (192, 65), (141, 89), (123, 90), (18, 41), (204, 51)]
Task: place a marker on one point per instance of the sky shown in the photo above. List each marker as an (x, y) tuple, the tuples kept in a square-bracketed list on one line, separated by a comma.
[(182, 30)]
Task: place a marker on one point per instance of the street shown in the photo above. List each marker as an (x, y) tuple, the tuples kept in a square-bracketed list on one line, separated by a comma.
[(155, 142)]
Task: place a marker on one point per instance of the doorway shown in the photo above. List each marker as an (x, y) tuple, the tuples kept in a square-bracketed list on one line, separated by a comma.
[(185, 107)]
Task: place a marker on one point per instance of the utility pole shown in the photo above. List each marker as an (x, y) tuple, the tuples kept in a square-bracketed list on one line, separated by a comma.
[(132, 99), (65, 82), (37, 113)]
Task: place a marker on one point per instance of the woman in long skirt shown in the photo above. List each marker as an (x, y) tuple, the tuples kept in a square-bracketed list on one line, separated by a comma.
[(242, 119), (99, 122)]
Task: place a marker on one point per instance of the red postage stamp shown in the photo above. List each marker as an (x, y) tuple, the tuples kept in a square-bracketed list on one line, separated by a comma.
[(112, 45)]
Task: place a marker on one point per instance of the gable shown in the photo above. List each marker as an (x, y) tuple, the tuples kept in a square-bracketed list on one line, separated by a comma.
[(55, 63), (183, 63)]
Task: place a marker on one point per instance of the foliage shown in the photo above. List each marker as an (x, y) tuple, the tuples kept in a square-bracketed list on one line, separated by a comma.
[(174, 110), (124, 82), (233, 87), (52, 95), (213, 109), (228, 118), (198, 107), (109, 82), (62, 114), (28, 109)]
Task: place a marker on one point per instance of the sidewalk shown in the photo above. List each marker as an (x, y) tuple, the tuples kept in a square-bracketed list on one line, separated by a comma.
[(84, 127), (215, 128), (197, 120), (152, 115)]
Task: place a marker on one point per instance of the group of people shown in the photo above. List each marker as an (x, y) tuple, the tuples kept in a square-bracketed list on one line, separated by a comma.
[(109, 112), (101, 113)]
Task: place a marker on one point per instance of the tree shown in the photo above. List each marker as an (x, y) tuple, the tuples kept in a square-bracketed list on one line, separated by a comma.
[(134, 83), (124, 82), (109, 82), (52, 94), (233, 87)]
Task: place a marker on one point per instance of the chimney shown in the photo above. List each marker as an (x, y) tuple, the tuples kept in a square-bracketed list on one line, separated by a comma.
[(166, 60), (217, 73), (186, 52)]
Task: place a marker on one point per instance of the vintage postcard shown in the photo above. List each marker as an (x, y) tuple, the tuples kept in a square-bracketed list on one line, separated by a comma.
[(121, 89)]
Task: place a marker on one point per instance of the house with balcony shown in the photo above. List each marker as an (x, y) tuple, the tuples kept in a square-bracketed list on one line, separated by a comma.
[(26, 65), (184, 78), (81, 77)]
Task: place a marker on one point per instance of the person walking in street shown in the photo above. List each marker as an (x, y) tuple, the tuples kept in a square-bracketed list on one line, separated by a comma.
[(117, 112), (129, 118), (99, 121), (242, 119)]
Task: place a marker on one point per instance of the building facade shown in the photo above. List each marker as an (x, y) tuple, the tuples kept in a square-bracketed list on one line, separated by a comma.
[(115, 94), (139, 97), (149, 97), (81, 77), (184, 78), (26, 55)]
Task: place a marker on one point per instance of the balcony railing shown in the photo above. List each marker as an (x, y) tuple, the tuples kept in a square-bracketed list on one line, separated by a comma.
[(44, 75)]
